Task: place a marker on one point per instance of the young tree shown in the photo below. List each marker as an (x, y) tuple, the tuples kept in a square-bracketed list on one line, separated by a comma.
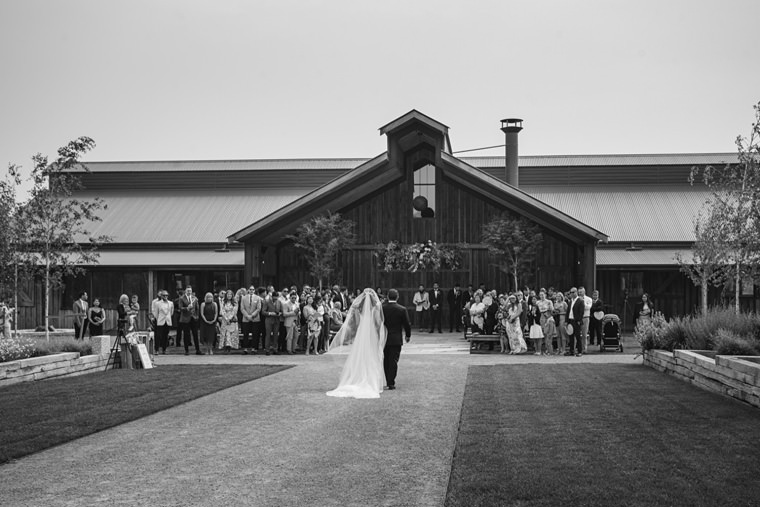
[(707, 265), (514, 242), (733, 209), (54, 220), (322, 239)]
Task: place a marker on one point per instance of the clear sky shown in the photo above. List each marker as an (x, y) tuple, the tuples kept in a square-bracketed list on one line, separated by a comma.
[(192, 79)]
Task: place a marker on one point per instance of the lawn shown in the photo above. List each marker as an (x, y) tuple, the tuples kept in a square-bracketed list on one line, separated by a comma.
[(38, 415), (600, 435)]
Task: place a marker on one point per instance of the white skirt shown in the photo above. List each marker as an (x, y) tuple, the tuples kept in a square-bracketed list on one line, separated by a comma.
[(535, 332)]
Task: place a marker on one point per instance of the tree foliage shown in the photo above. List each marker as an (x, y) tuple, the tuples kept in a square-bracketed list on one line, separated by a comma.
[(55, 241), (707, 266), (514, 242), (321, 239), (732, 213)]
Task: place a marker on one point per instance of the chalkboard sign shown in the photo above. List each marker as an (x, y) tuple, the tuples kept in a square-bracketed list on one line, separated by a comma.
[(142, 352)]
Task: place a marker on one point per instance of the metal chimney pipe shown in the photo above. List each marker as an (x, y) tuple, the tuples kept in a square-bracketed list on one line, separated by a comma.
[(511, 127)]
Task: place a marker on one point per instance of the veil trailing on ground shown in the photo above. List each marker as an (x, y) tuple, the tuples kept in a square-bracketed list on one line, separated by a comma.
[(362, 337)]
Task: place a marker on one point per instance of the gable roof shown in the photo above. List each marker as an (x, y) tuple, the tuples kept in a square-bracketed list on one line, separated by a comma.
[(378, 173)]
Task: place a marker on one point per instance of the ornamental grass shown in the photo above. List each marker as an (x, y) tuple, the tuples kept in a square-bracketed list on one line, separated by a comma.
[(24, 347)]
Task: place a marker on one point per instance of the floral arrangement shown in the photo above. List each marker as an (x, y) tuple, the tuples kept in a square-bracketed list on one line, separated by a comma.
[(418, 256)]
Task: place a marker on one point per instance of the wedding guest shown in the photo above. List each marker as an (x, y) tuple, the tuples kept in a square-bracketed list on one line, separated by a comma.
[(228, 338), (123, 312), (188, 320), (587, 302), (290, 315), (271, 309), (134, 309), (313, 323), (489, 315), (595, 322), (325, 305), (96, 316), (454, 299), (560, 311), (546, 309), (250, 309), (477, 309), (421, 301), (209, 316), (436, 306), (6, 317), (163, 310), (514, 329), (643, 311), (80, 315)]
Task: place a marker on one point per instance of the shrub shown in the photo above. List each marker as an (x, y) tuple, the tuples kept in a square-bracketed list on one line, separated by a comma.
[(674, 335), (728, 343), (649, 334), (59, 345)]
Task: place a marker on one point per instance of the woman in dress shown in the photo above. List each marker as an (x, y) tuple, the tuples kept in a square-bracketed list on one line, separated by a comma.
[(134, 310), (228, 338), (477, 309), (560, 311), (96, 316), (209, 313), (514, 328), (489, 315), (362, 337), (644, 310), (546, 307), (313, 324)]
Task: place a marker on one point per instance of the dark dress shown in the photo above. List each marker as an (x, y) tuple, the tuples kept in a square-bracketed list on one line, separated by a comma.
[(96, 329), (208, 331)]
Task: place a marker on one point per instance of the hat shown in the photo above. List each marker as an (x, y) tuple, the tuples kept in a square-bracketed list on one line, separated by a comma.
[(569, 328)]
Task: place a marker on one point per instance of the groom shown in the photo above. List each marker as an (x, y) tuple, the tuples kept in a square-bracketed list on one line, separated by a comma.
[(396, 320)]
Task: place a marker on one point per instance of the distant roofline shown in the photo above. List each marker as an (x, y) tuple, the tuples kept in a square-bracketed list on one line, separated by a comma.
[(730, 155)]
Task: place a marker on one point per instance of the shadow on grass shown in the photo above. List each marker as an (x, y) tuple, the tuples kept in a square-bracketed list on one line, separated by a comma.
[(39, 415), (600, 435)]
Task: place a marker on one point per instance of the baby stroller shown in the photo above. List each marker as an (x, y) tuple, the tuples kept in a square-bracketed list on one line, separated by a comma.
[(611, 333)]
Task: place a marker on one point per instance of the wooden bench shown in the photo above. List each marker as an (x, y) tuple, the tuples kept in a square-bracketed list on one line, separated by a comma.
[(477, 341)]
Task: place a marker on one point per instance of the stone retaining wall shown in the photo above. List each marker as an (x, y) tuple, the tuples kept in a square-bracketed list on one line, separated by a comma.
[(735, 376), (57, 365)]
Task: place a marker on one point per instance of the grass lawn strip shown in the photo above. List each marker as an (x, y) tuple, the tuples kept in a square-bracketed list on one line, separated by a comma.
[(600, 435), (39, 415)]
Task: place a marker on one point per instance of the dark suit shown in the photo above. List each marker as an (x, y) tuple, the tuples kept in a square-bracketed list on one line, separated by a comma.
[(436, 305), (595, 325), (455, 310), (575, 315), (188, 323), (397, 322)]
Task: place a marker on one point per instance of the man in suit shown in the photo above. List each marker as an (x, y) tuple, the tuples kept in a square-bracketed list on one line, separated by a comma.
[(250, 307), (188, 321), (436, 305), (575, 317), (80, 316), (595, 323), (271, 308), (454, 298), (396, 321)]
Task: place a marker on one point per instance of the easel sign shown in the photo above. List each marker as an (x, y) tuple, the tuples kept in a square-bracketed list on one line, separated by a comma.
[(142, 352)]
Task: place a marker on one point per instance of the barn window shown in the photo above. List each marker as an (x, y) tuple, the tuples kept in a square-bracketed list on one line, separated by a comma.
[(423, 203)]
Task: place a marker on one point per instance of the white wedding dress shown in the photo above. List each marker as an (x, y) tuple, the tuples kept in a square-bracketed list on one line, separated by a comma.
[(362, 337)]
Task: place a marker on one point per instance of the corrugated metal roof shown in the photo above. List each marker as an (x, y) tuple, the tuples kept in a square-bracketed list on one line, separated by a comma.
[(171, 258), (630, 214), (687, 159), (187, 216), (225, 165), (644, 257), (648, 159)]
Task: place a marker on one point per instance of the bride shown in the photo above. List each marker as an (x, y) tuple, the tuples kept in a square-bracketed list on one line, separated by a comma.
[(362, 337)]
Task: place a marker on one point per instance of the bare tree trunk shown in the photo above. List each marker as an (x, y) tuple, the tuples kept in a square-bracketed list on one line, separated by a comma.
[(47, 299), (736, 289), (15, 295), (704, 294)]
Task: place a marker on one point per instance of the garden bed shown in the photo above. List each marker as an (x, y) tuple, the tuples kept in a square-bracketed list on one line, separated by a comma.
[(734, 376)]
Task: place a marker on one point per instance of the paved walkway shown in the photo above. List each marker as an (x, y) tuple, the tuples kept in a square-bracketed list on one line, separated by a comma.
[(278, 440)]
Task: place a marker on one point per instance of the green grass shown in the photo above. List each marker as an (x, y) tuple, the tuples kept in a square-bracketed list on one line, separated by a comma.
[(600, 435), (39, 415)]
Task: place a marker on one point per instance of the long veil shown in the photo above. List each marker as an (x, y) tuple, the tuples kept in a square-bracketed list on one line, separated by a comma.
[(362, 336)]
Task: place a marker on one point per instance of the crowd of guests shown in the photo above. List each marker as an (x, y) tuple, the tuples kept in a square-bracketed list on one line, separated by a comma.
[(266, 321)]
